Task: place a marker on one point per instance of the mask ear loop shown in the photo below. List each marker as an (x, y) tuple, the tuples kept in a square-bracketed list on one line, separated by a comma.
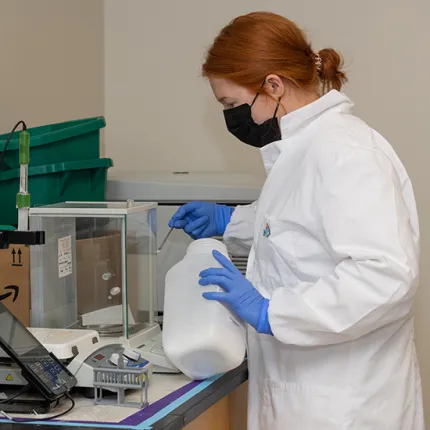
[(258, 92), (277, 107), (273, 117)]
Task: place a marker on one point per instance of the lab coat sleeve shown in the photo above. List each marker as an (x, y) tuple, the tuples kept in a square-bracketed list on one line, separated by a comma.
[(239, 234), (365, 225)]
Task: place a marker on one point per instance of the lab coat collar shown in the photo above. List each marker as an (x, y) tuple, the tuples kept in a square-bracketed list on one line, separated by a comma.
[(295, 121)]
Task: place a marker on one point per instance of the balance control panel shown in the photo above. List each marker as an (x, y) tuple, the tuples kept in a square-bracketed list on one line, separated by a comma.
[(108, 357), (153, 351)]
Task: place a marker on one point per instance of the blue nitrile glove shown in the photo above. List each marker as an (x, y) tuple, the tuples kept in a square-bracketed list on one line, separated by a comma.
[(239, 294), (202, 219)]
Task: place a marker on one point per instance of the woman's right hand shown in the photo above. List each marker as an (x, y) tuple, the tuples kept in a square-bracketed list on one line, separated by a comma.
[(202, 219)]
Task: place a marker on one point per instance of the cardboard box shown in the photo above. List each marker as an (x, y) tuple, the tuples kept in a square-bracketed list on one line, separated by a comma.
[(98, 270), (15, 281)]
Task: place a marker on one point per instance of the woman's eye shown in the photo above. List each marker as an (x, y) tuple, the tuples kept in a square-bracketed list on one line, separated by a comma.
[(229, 104)]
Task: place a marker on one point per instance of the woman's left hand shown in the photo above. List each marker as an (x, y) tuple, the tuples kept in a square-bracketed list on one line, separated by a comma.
[(239, 294)]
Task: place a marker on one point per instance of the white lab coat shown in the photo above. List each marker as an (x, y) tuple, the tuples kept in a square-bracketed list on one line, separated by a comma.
[(335, 247)]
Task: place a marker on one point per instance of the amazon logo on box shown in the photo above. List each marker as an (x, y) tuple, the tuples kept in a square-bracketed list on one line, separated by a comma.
[(14, 292), (15, 281)]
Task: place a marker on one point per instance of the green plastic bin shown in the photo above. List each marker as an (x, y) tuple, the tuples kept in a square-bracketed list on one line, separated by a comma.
[(54, 183), (57, 143)]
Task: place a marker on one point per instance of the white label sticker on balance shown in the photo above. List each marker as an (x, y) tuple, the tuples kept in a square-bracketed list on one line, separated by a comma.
[(65, 267)]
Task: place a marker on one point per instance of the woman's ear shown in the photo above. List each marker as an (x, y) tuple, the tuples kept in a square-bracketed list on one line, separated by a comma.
[(274, 87)]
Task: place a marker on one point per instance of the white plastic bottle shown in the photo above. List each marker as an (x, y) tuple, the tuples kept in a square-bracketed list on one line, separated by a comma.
[(200, 337)]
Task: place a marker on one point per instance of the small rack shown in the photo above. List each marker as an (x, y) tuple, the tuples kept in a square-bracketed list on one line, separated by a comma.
[(120, 380)]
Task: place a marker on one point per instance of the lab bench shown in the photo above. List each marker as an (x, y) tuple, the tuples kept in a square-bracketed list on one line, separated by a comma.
[(175, 403)]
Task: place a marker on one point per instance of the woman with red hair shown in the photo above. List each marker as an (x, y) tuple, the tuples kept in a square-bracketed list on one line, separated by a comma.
[(333, 240)]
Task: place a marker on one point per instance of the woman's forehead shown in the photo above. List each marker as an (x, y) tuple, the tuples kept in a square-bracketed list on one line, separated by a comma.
[(223, 88)]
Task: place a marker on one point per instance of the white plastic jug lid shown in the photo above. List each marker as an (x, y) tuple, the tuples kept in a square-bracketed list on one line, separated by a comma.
[(204, 246)]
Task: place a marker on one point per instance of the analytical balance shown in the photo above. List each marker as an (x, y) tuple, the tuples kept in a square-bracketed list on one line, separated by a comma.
[(97, 271), (81, 351)]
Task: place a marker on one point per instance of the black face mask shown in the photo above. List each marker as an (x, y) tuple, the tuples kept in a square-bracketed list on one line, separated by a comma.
[(240, 123)]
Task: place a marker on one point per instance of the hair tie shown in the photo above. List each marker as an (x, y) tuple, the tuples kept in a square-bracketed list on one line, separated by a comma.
[(318, 62)]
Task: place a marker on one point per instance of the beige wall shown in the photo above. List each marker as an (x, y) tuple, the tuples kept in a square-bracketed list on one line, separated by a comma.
[(162, 116), (51, 61)]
